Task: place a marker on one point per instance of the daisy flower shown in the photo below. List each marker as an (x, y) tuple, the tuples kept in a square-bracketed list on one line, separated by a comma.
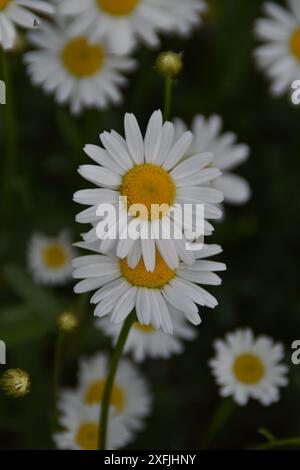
[(124, 23), (279, 57), (49, 258), (120, 288), (81, 427), (17, 12), (148, 172), (208, 137), (130, 397), (76, 71), (144, 341), (247, 367)]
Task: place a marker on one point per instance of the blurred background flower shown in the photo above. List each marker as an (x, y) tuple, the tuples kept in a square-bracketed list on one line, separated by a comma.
[(247, 367)]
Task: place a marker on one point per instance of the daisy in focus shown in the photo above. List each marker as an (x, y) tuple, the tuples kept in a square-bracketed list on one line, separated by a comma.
[(50, 258), (145, 342), (77, 72), (247, 367), (279, 57), (147, 172), (18, 13), (208, 137), (130, 397), (124, 23), (120, 289), (81, 428)]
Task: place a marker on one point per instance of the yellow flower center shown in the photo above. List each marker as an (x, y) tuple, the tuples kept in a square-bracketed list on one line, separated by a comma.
[(143, 328), (95, 392), (118, 7), (82, 59), (87, 436), (54, 256), (140, 277), (295, 43), (3, 4), (248, 369), (150, 191)]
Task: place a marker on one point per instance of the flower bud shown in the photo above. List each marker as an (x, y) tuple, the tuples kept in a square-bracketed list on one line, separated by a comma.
[(15, 382)]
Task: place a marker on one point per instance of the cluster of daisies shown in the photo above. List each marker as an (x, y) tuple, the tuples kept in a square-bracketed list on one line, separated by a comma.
[(81, 54)]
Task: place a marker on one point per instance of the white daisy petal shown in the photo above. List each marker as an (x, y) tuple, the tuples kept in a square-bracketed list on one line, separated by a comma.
[(17, 13), (246, 367), (178, 151)]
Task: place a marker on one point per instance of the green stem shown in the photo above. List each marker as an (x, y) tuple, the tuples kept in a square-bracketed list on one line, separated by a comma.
[(294, 441), (222, 414), (168, 97), (10, 130), (57, 366), (111, 377)]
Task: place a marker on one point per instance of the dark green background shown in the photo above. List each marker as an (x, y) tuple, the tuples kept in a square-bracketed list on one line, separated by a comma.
[(260, 240)]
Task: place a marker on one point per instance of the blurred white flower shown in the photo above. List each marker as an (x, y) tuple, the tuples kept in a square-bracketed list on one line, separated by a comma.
[(49, 258), (144, 341), (247, 367), (81, 427), (120, 288), (149, 172), (77, 72), (124, 23), (279, 57), (130, 398), (208, 137), (17, 12)]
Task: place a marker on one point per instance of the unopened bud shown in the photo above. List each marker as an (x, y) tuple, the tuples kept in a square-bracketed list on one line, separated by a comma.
[(67, 321), (15, 382)]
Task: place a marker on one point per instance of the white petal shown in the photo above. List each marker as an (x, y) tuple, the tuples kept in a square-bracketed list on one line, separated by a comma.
[(134, 139)]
